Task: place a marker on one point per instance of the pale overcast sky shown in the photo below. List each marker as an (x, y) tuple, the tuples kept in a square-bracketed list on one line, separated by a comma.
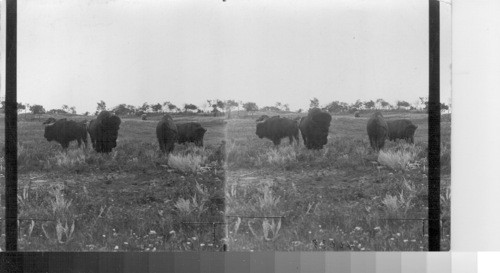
[(77, 52)]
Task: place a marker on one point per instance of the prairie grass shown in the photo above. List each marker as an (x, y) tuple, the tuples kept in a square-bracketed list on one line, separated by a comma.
[(400, 158), (78, 200), (186, 163), (339, 198)]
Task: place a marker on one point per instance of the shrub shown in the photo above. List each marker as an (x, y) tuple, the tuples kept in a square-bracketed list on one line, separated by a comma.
[(186, 163)]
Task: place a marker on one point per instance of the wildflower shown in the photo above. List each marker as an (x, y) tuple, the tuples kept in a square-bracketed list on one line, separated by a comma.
[(194, 238), (104, 235), (154, 249), (331, 239), (362, 248), (398, 234), (202, 244), (310, 232), (377, 228), (392, 239), (413, 241), (152, 232), (172, 232), (405, 241), (125, 243), (319, 226), (188, 243), (358, 228), (116, 247)]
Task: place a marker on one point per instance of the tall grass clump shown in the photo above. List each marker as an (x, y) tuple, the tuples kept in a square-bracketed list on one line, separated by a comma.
[(400, 158), (186, 163), (278, 157), (70, 158)]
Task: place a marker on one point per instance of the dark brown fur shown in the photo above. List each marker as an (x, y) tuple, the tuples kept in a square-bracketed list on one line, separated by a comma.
[(275, 128), (377, 131), (401, 129), (166, 133), (104, 131), (314, 128), (191, 132), (64, 131)]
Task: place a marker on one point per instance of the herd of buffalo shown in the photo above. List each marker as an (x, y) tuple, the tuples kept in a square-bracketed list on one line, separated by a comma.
[(103, 132), (314, 127)]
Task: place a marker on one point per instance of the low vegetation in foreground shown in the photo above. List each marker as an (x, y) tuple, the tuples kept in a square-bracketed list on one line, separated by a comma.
[(132, 199), (343, 197)]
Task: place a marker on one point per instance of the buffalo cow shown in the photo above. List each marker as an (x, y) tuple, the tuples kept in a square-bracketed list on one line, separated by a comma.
[(64, 131), (104, 131), (275, 128), (314, 128), (190, 132), (377, 131), (401, 129), (166, 132)]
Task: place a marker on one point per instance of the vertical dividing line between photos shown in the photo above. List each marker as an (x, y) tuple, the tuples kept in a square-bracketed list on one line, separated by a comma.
[(434, 111), (11, 128)]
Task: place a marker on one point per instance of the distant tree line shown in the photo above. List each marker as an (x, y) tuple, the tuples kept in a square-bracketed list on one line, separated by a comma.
[(218, 107)]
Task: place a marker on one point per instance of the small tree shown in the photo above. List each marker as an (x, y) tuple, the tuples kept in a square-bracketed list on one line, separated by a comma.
[(230, 104), (369, 104), (73, 110), (250, 107), (190, 106), (144, 107), (172, 107), (156, 108), (314, 103), (101, 106), (37, 109), (122, 110), (402, 103), (20, 106), (444, 107)]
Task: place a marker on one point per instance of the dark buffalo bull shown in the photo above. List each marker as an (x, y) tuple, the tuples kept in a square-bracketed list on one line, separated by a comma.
[(64, 131), (166, 132), (275, 128), (314, 128), (104, 131), (401, 129), (377, 131), (190, 132)]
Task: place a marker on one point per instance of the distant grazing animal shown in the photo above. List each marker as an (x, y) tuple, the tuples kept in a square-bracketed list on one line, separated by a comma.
[(104, 131), (190, 132), (275, 128), (166, 133), (356, 114), (144, 117), (377, 131), (64, 131), (401, 129), (314, 128)]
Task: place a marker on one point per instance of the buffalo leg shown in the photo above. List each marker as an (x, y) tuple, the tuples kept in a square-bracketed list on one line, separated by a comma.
[(276, 141)]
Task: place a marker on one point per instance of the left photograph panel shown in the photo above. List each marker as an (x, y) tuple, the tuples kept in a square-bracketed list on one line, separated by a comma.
[(120, 128)]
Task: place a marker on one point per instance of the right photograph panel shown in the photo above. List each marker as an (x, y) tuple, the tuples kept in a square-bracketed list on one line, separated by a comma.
[(328, 147)]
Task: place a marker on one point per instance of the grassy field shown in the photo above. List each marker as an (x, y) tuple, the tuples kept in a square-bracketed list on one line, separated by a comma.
[(132, 199), (338, 198)]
